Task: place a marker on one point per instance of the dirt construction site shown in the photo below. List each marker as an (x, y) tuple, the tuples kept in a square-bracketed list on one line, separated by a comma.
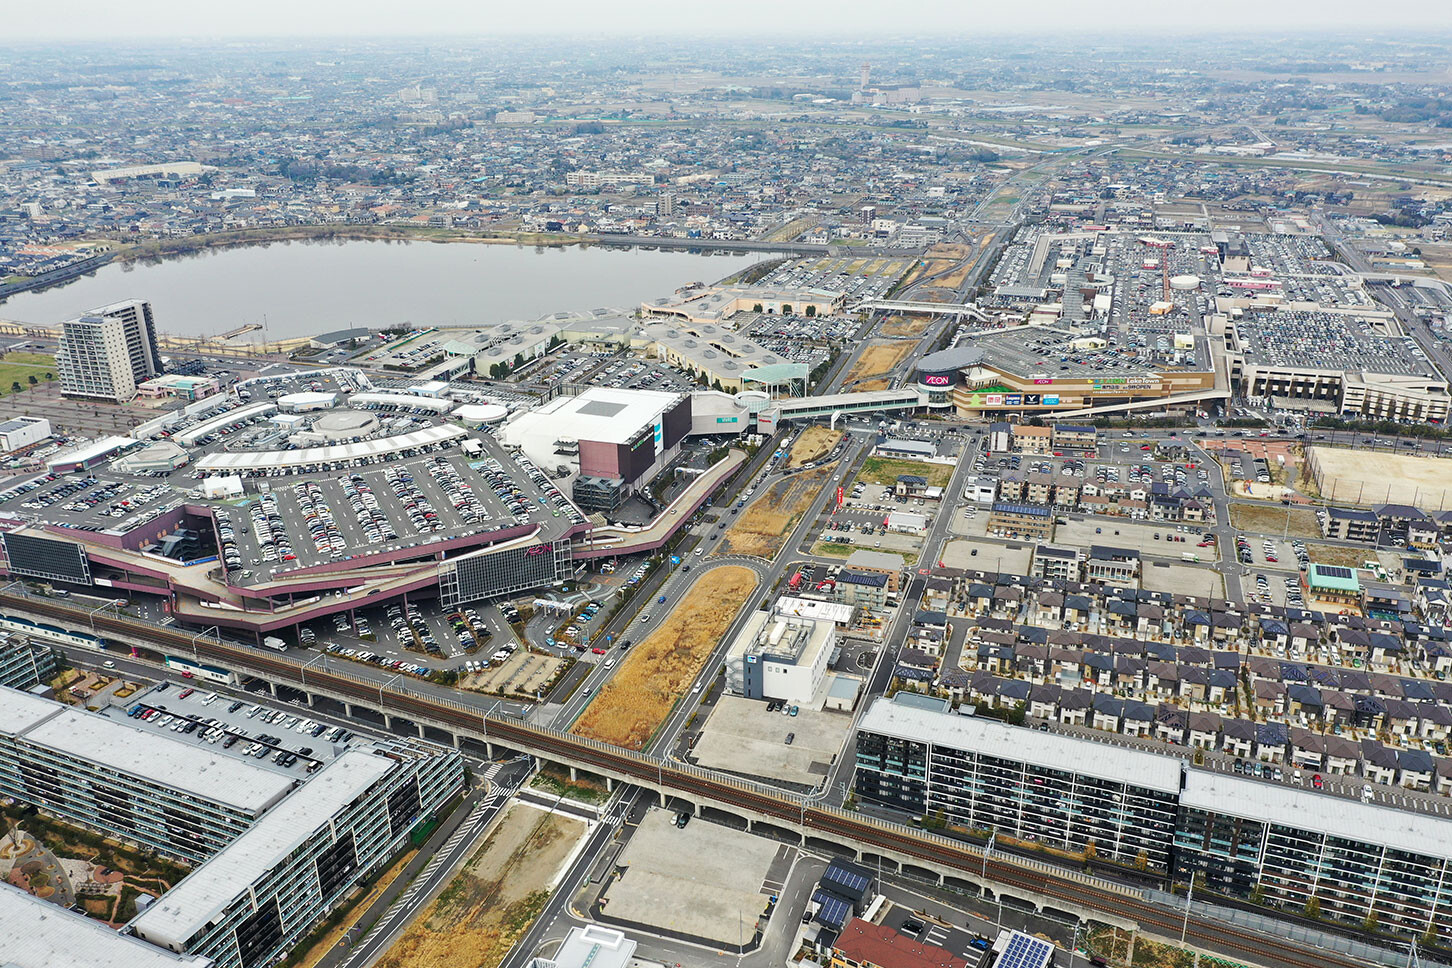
[(878, 358), (1369, 478), (815, 442), (766, 522), (657, 672)]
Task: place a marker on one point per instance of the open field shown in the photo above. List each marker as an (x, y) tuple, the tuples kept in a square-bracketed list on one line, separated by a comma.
[(903, 326), (522, 674), (877, 359), (763, 528), (814, 442), (1264, 519), (885, 470), (19, 367), (1345, 476), (495, 896), (656, 673)]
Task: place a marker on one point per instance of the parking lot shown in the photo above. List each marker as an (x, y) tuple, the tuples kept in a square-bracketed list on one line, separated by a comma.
[(702, 880), (741, 737), (864, 278), (1156, 539), (1011, 557), (1182, 579)]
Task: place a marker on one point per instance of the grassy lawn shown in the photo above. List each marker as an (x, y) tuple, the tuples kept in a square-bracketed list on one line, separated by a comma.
[(1264, 519), (832, 549), (17, 367), (885, 470), (657, 671)]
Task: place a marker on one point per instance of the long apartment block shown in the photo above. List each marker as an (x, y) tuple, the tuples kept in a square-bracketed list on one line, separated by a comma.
[(1245, 837), (274, 847)]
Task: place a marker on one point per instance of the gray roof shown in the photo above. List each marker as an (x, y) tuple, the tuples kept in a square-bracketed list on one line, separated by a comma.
[(1226, 793), (39, 934), (1051, 750)]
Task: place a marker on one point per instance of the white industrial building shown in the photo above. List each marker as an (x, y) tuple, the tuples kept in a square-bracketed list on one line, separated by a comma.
[(780, 656), (18, 432)]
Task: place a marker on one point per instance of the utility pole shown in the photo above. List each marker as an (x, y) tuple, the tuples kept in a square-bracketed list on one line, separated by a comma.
[(1189, 897)]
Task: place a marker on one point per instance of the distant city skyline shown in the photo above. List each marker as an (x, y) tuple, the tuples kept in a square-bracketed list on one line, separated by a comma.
[(92, 19)]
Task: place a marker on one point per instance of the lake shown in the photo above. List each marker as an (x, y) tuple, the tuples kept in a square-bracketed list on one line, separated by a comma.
[(306, 288)]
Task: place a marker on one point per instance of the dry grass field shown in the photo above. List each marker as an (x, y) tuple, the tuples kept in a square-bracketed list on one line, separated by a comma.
[(493, 899), (878, 359), (1264, 519), (763, 528), (903, 326), (814, 442), (1323, 554), (658, 671), (327, 942)]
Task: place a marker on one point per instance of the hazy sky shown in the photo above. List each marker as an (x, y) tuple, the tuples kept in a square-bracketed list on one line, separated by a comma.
[(201, 19)]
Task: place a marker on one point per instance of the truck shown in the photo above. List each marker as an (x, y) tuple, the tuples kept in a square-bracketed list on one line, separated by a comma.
[(273, 642)]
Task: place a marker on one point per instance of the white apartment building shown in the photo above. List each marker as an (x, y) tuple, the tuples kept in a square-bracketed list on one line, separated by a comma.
[(107, 353)]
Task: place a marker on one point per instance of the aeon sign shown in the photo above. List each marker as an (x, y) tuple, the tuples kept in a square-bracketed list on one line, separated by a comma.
[(937, 380), (536, 550)]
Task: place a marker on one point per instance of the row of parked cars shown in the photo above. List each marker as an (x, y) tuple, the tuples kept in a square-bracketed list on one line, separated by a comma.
[(382, 661)]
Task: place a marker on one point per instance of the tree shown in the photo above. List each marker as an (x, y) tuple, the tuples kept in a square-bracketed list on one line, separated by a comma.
[(1257, 896), (15, 386), (1313, 907), (1430, 938), (1371, 925), (756, 308), (786, 309), (32, 379), (1141, 861), (49, 376), (518, 360), (811, 311)]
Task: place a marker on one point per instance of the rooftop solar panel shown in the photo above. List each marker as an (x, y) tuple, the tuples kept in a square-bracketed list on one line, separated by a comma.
[(1334, 571), (1025, 952), (853, 880), (832, 910)]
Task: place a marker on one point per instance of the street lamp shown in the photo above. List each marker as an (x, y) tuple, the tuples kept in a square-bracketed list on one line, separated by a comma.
[(1189, 897), (215, 634)]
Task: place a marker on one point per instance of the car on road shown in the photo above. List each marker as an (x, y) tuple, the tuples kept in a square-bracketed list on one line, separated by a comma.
[(597, 650)]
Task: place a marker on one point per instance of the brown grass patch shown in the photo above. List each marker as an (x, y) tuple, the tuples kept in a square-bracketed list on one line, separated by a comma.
[(903, 326), (658, 671), (1264, 519), (1323, 554), (493, 900), (763, 528), (814, 442), (878, 359)]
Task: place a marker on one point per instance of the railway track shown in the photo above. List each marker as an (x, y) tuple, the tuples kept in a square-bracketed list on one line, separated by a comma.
[(1118, 901)]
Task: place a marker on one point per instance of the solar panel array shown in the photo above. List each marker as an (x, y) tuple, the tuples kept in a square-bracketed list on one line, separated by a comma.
[(854, 881), (832, 910), (1334, 571), (1025, 952)]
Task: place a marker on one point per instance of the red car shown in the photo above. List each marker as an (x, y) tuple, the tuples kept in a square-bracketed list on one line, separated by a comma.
[(597, 650), (1316, 781)]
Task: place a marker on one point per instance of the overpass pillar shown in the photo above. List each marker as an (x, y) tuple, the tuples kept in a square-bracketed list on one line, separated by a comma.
[(574, 775), (347, 709), (609, 785), (272, 688), (488, 750), (458, 742), (696, 809), (312, 699), (420, 728)]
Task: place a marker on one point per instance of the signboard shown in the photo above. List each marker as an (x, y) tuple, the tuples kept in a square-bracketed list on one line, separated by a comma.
[(1032, 399), (1013, 400), (1051, 399), (841, 495), (1043, 380), (1127, 382), (937, 380)]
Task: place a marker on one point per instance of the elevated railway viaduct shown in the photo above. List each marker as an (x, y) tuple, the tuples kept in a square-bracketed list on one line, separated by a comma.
[(909, 850)]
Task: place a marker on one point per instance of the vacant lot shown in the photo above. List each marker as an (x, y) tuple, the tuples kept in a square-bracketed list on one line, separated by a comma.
[(885, 470), (763, 528), (878, 358), (522, 674), (814, 442), (903, 326), (1323, 554), (658, 671), (1368, 478), (1264, 519), (493, 899)]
